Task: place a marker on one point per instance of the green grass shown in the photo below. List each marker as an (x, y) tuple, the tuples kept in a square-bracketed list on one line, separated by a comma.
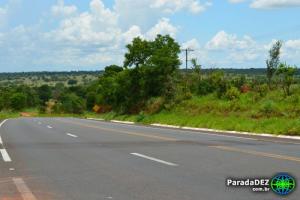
[(272, 114), (7, 115)]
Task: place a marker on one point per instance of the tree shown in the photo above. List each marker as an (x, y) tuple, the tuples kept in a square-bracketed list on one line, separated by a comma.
[(112, 70), (71, 103), (44, 93), (18, 101), (273, 61), (162, 65), (138, 53), (196, 68), (72, 82), (286, 73)]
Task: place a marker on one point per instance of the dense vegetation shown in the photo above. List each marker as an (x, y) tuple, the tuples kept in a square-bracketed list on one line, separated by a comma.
[(149, 87)]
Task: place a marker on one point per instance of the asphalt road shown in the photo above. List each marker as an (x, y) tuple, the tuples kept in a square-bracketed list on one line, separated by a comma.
[(67, 158)]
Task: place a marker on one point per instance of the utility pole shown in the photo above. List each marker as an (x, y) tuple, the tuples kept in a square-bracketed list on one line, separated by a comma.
[(187, 50)]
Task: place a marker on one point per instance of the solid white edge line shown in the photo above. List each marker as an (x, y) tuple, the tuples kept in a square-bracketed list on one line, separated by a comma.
[(122, 122), (23, 189), (71, 135), (213, 131), (154, 159), (5, 155)]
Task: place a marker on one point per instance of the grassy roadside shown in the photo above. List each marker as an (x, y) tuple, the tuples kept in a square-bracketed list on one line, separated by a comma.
[(276, 126), (270, 114), (272, 125), (251, 113)]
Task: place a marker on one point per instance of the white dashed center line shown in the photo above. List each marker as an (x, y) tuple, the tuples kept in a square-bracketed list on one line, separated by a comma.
[(71, 135), (23, 189), (154, 159), (5, 155)]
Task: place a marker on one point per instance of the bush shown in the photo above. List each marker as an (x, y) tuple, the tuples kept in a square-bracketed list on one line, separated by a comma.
[(262, 89), (154, 105), (269, 108), (18, 101), (71, 103), (232, 93), (204, 87)]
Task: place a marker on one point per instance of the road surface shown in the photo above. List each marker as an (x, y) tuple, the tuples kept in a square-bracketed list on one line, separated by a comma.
[(68, 158)]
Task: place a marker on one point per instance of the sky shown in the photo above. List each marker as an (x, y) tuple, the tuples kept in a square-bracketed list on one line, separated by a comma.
[(65, 35)]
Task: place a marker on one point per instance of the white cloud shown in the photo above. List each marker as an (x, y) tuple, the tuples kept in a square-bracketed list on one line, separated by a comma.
[(133, 32), (61, 10), (171, 6), (236, 1), (274, 3), (292, 44), (191, 44), (3, 15), (163, 27), (223, 41), (270, 4), (145, 13)]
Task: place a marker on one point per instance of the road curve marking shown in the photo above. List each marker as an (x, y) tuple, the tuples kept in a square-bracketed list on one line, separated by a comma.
[(23, 189), (5, 155), (121, 131), (71, 135), (154, 159), (1, 141), (258, 153)]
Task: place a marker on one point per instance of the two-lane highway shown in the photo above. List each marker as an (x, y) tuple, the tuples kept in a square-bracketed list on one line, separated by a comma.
[(69, 158)]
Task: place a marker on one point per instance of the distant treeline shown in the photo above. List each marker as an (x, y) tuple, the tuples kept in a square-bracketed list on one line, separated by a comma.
[(5, 75), (249, 71)]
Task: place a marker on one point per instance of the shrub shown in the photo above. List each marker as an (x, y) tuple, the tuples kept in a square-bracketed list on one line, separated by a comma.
[(262, 89), (71, 103), (204, 87), (245, 88), (154, 105), (269, 108), (232, 93), (18, 101)]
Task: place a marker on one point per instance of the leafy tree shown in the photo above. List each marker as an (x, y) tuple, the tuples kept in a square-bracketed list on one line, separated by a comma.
[(71, 103), (273, 61), (44, 93), (138, 53), (196, 68), (18, 101), (90, 100), (112, 70), (286, 73), (72, 82), (2, 103)]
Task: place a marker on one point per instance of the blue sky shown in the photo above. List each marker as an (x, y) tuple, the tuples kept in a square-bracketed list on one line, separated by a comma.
[(58, 35)]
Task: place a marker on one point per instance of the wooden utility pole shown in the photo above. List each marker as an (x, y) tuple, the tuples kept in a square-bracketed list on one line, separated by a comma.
[(187, 50)]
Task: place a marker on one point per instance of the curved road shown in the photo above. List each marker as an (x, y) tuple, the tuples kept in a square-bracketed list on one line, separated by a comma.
[(68, 158)]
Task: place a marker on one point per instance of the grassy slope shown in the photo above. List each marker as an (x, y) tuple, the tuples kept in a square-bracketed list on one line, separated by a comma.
[(271, 114)]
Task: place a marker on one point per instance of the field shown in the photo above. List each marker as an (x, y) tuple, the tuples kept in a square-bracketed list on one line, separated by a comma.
[(36, 79), (264, 115)]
